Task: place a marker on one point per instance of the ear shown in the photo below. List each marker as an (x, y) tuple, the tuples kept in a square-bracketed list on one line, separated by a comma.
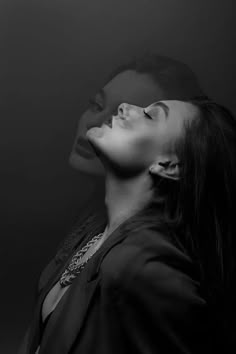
[(166, 168)]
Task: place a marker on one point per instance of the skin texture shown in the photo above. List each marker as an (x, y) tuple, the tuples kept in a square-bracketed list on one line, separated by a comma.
[(140, 138), (128, 86), (139, 144)]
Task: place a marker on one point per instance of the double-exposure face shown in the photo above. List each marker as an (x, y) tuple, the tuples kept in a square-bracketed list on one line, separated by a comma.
[(129, 86)]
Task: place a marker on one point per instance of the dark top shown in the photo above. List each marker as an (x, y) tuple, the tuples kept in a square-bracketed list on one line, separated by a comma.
[(139, 293)]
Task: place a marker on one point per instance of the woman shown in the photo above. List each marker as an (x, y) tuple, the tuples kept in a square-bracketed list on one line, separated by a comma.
[(140, 82), (145, 283)]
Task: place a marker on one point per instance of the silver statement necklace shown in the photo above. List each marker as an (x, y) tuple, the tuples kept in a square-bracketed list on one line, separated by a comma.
[(76, 266)]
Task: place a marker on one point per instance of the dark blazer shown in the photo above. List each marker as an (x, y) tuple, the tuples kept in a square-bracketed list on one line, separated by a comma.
[(138, 294)]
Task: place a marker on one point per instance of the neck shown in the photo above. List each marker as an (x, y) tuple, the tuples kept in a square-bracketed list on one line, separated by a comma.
[(125, 197)]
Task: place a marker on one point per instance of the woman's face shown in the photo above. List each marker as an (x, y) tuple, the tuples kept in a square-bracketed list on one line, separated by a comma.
[(141, 136), (129, 86)]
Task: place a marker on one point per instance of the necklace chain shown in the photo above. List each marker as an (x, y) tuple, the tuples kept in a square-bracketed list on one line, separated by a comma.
[(76, 266)]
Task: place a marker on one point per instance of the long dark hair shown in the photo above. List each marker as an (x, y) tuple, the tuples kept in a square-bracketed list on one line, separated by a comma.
[(207, 196), (199, 211), (207, 191), (199, 208)]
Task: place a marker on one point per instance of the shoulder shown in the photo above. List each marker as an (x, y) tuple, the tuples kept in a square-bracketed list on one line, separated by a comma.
[(153, 287), (144, 246), (147, 259)]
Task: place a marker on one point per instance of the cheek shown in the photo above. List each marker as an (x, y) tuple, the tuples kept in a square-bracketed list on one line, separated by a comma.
[(82, 121), (129, 147), (146, 148), (85, 117)]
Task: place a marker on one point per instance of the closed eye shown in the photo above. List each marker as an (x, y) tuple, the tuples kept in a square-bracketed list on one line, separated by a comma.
[(147, 115)]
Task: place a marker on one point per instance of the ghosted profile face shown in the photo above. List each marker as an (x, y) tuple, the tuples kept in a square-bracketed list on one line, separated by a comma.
[(128, 86), (140, 137)]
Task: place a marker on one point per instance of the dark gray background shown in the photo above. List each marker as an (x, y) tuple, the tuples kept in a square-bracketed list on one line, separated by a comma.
[(54, 55)]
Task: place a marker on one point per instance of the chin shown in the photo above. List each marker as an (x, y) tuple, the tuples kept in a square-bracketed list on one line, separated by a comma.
[(78, 162)]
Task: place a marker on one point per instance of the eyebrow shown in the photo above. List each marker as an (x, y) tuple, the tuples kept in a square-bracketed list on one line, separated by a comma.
[(163, 106)]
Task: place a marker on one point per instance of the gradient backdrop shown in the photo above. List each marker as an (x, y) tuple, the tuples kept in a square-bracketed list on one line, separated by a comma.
[(54, 55)]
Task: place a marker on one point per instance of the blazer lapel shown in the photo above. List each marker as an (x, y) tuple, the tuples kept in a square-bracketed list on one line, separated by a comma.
[(35, 326), (67, 319)]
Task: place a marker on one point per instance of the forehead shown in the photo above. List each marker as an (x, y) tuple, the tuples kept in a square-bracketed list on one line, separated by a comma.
[(181, 110), (132, 87)]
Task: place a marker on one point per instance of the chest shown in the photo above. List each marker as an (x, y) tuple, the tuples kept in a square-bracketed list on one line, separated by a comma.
[(55, 294), (52, 299)]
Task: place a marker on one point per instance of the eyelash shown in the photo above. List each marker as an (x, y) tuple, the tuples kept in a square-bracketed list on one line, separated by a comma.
[(147, 115)]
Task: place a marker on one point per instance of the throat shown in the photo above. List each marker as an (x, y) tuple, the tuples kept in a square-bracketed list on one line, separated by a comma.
[(126, 197)]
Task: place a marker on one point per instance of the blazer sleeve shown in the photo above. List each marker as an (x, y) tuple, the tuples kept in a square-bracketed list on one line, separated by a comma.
[(159, 307)]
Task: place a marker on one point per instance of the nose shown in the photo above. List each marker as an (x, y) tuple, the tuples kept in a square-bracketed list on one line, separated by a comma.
[(123, 110)]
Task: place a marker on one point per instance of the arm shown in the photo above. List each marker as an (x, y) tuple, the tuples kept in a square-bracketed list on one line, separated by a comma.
[(160, 309)]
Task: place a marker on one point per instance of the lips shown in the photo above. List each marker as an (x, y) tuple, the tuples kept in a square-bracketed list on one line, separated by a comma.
[(84, 142), (84, 148)]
